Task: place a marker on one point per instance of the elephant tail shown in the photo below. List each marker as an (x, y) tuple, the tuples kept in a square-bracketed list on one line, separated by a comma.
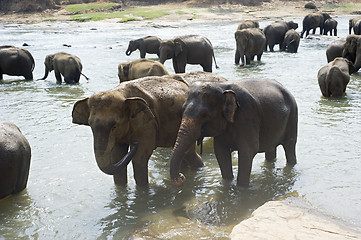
[(215, 61), (85, 76)]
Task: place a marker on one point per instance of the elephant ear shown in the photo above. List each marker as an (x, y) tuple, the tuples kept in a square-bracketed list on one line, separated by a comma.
[(178, 48), (230, 105), (81, 112), (139, 113)]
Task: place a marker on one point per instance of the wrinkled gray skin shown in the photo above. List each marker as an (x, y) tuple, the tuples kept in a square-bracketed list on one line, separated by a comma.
[(352, 23), (140, 68), (275, 33), (250, 116), (291, 41), (189, 49), (149, 44), (15, 155), (352, 50), (248, 24), (250, 42), (357, 27), (335, 49), (313, 21), (64, 64), (334, 77), (16, 61), (330, 24), (141, 114)]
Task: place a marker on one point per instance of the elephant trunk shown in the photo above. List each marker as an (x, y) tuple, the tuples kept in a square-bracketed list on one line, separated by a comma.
[(45, 75), (128, 52), (187, 136)]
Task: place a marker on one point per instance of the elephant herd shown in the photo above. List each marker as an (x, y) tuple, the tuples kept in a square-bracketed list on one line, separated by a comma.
[(151, 108)]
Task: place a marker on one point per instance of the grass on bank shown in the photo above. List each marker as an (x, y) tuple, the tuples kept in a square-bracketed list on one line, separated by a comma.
[(347, 6), (77, 8)]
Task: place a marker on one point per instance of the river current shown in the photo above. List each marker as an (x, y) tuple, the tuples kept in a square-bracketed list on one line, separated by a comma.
[(68, 197)]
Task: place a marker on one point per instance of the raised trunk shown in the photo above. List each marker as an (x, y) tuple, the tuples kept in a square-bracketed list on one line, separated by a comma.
[(187, 135)]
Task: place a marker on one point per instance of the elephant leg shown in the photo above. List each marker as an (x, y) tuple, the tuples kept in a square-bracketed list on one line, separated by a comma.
[(271, 46), (207, 67), (259, 56), (237, 57), (181, 68), (58, 76), (314, 31), (224, 158), (142, 54), (271, 155), (175, 66), (140, 166), (335, 32), (1, 76), (248, 60), (290, 151), (245, 159), (121, 179), (28, 75)]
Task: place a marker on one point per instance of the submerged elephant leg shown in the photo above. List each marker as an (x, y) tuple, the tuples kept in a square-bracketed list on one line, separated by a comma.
[(259, 57), (290, 151), (248, 60), (271, 155), (58, 76), (237, 57), (224, 159), (121, 179), (244, 168), (142, 54)]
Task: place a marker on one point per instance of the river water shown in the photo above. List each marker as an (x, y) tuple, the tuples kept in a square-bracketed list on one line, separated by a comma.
[(68, 197)]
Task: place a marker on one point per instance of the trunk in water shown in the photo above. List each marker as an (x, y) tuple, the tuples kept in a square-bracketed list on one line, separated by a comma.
[(45, 75), (187, 136)]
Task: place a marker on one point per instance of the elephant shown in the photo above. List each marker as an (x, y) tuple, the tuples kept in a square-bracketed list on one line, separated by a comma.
[(275, 33), (141, 114), (15, 156), (64, 64), (140, 68), (313, 21), (335, 49), (248, 24), (149, 44), (250, 115), (291, 41), (352, 22), (189, 49), (352, 50), (16, 61), (357, 27), (250, 42), (330, 24), (334, 77)]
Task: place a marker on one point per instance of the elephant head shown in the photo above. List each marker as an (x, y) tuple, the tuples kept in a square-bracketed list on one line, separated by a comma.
[(169, 49), (352, 50), (325, 16), (133, 45), (48, 65), (117, 123), (123, 71), (292, 25), (207, 111)]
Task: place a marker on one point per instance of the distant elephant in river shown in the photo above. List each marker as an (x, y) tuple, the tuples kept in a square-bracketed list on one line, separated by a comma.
[(140, 68), (335, 49), (15, 155), (16, 61), (352, 50), (334, 77), (357, 27), (248, 24), (291, 41), (189, 49), (64, 64), (142, 115), (250, 42), (313, 21), (250, 116), (149, 44), (330, 24), (352, 22), (275, 33)]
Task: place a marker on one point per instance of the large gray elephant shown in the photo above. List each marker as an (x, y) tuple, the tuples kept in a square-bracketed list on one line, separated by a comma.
[(189, 49), (357, 27), (313, 21), (352, 50), (335, 49), (149, 44), (250, 42), (142, 115), (64, 64), (334, 77), (291, 41), (16, 61), (250, 116), (140, 68), (275, 33), (352, 22), (15, 155), (330, 24), (248, 24)]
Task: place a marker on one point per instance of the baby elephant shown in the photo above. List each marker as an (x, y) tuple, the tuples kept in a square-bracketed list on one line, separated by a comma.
[(140, 68), (330, 24), (334, 77), (64, 64), (291, 41), (149, 44), (15, 154)]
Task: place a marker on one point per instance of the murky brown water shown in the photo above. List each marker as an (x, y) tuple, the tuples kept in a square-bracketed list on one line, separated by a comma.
[(69, 197)]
